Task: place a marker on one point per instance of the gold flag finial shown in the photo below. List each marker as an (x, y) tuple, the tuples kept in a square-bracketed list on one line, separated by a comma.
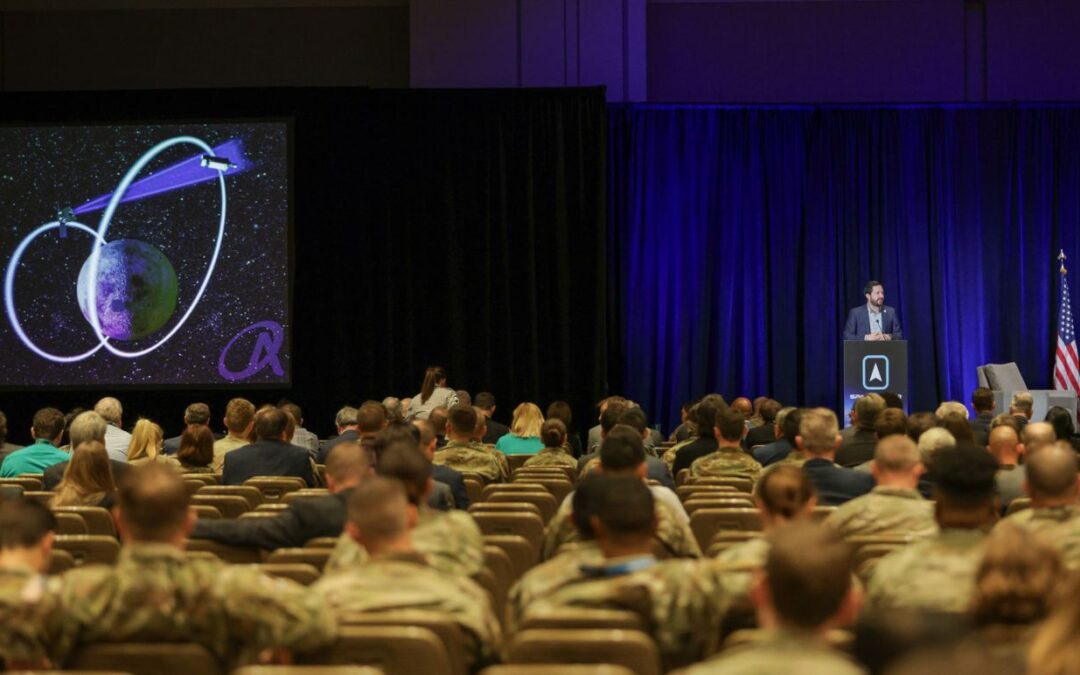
[(1061, 257)]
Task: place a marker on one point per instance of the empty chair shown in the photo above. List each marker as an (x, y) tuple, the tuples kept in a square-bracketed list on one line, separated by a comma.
[(705, 523), (204, 511), (274, 488), (70, 523), (301, 573), (522, 554), (98, 520), (89, 548), (401, 650), (230, 506), (158, 658), (631, 649), (230, 554), (543, 500), (60, 561), (577, 618), (505, 507), (316, 557), (525, 525), (249, 493), (306, 493)]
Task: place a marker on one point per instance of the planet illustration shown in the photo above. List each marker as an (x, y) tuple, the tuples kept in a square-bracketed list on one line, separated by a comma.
[(135, 287)]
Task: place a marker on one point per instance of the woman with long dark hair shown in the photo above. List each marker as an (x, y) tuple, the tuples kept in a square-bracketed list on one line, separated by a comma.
[(433, 394)]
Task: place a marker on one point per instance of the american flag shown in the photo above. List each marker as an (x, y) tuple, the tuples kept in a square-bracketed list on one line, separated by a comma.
[(1066, 363)]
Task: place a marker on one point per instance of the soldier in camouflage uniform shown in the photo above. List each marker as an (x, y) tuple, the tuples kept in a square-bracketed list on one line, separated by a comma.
[(894, 506), (479, 432), (623, 454), (397, 578), (729, 458), (554, 453), (26, 536), (462, 454), (938, 573), (808, 580), (155, 593), (1054, 514)]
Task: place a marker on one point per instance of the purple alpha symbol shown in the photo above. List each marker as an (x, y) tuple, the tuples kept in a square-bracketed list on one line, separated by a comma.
[(267, 345)]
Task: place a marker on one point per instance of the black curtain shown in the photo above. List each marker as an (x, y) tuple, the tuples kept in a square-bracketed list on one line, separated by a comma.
[(459, 228)]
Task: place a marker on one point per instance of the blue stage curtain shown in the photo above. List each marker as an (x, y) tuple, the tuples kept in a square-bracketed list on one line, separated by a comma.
[(741, 236)]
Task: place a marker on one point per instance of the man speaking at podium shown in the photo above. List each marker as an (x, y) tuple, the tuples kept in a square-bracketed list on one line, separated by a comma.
[(873, 321)]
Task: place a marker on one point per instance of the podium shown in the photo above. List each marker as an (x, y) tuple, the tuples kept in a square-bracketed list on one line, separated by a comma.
[(874, 367)]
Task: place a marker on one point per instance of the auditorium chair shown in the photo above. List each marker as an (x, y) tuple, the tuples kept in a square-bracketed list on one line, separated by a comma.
[(321, 542), (306, 493), (840, 640), (558, 488), (517, 461), (206, 512), (520, 486), (397, 650), (273, 507), (301, 573), (705, 523), (274, 488), (70, 523), (703, 502), (741, 484), (157, 658), (192, 486), (257, 514), (60, 561), (98, 520), (559, 669), (88, 549), (526, 525), (1004, 379), (1018, 504), (485, 579), (543, 501), (230, 506), (316, 557), (474, 486), (39, 496), (251, 495), (230, 554), (687, 492), (578, 618), (307, 670), (567, 472), (505, 507), (411, 624), (207, 478), (523, 555), (628, 648), (820, 513), (27, 483), (498, 562)]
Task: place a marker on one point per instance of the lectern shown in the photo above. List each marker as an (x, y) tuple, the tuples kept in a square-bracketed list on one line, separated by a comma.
[(874, 367)]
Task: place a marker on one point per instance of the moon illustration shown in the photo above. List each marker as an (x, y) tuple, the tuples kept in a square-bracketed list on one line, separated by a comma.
[(136, 289)]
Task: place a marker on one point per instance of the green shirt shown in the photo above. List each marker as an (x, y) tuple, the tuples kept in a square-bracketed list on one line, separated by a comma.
[(519, 445), (32, 459)]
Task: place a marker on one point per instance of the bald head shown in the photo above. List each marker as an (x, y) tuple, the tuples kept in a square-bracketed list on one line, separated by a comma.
[(1004, 445), (346, 466), (896, 454), (743, 405), (1052, 472), (1038, 435)]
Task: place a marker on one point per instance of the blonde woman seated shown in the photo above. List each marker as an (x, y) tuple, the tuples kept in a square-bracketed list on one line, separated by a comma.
[(146, 442), (524, 436), (196, 453), (88, 478), (555, 451)]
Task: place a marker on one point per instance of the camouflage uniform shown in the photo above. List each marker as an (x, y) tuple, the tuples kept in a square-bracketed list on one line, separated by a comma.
[(779, 651), (20, 642), (794, 458), (885, 510), (450, 539), (552, 457), (462, 456), (739, 563), (672, 532), (155, 593), (936, 574), (1060, 525), (726, 462), (541, 580), (497, 454), (404, 581), (669, 454)]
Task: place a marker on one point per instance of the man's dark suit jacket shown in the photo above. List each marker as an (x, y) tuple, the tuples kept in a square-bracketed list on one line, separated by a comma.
[(305, 519), (773, 452), (834, 484), (858, 323), (328, 445), (704, 445), (267, 458), (762, 435), (857, 449), (55, 473), (452, 478), (980, 427), (495, 431)]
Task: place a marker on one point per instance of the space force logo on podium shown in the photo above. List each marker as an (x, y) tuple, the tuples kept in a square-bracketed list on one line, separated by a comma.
[(875, 372)]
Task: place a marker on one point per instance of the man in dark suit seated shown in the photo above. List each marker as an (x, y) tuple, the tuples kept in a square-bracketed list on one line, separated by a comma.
[(859, 446), (367, 422), (982, 401), (873, 321), (271, 454), (706, 444), (88, 426), (767, 432), (485, 400), (787, 424), (194, 414), (819, 437), (305, 519)]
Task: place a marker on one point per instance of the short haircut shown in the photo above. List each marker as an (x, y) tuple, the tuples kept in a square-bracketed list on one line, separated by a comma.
[(1019, 576), (625, 507), (819, 429), (622, 449), (982, 399), (1052, 472), (1062, 421), (462, 419), (394, 433), (438, 417), (484, 400), (370, 418), (1006, 420), (965, 476), (110, 409), (1024, 401), (292, 409), (196, 446), (867, 408), (808, 570), (270, 423), (553, 433), (24, 523), (892, 400), (959, 427), (346, 417), (404, 462), (730, 423), (87, 426), (463, 397), (635, 417), (48, 423), (610, 417), (481, 421), (197, 413), (770, 409), (153, 502), (934, 441), (377, 508), (347, 461), (868, 288), (889, 422), (784, 490), (1037, 435), (392, 405), (918, 423), (238, 415), (789, 422), (587, 495), (560, 410), (427, 433), (896, 454), (706, 412)]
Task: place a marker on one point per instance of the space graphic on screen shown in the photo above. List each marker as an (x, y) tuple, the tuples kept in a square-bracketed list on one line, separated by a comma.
[(152, 254)]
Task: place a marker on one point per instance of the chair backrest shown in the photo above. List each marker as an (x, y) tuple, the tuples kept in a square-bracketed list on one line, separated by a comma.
[(273, 488), (301, 573), (146, 658), (208, 478), (475, 488), (498, 562), (558, 487), (505, 507), (522, 554), (543, 500), (569, 472), (60, 561), (249, 493), (517, 461), (206, 512), (705, 523), (820, 513), (230, 554), (401, 650), (307, 670), (519, 486), (89, 548), (193, 486), (39, 496), (1004, 376), (1018, 504), (274, 507), (98, 520), (708, 502), (230, 506), (632, 649), (688, 492), (257, 514), (70, 523), (321, 542), (576, 618), (561, 669), (27, 483), (741, 484), (306, 493), (316, 557), (526, 525)]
